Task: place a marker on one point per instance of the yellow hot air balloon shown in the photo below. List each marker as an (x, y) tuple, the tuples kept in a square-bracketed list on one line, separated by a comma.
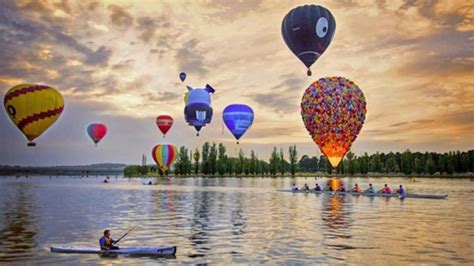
[(33, 108)]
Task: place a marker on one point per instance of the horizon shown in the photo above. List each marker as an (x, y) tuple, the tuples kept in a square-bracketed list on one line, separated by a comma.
[(118, 62)]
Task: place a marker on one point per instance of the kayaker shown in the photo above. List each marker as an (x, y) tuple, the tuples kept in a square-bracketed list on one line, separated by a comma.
[(370, 189), (294, 187), (305, 187), (386, 189), (401, 191), (150, 183), (357, 188), (106, 242), (341, 188), (317, 187)]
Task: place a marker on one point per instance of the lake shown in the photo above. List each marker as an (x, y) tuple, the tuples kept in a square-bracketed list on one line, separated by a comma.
[(233, 220)]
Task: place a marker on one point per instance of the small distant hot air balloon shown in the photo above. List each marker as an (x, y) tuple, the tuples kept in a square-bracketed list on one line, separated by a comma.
[(198, 110), (333, 111), (96, 132), (182, 76), (164, 155), (164, 123), (308, 30), (238, 118), (33, 108)]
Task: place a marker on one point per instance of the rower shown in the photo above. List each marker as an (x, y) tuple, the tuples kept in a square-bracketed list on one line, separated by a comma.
[(357, 188), (305, 187), (150, 183), (328, 188), (371, 189), (386, 189), (341, 188), (401, 191), (294, 187), (106, 242), (317, 187)]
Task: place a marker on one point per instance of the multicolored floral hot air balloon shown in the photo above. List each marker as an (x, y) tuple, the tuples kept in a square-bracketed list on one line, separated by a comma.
[(308, 30), (164, 155), (198, 110), (238, 118), (333, 111), (96, 132), (164, 123), (33, 108)]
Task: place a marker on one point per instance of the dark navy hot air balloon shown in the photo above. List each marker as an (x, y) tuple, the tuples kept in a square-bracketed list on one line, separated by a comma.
[(308, 30), (198, 110), (182, 76), (238, 118)]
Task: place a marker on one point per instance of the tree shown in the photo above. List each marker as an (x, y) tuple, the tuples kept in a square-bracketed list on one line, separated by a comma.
[(430, 165), (196, 157), (240, 163), (222, 160), (274, 162), (323, 163), (213, 159), (282, 162), (205, 168), (293, 154), (406, 162), (253, 163), (181, 161), (391, 164), (417, 166)]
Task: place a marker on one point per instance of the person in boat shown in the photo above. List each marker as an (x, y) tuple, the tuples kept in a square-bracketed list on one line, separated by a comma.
[(150, 183), (294, 187), (305, 187), (401, 191), (328, 188), (356, 189), (106, 242), (370, 189), (386, 189), (317, 187), (341, 188)]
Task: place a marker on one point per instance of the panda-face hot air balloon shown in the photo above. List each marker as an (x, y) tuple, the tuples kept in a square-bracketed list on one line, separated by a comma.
[(164, 123), (308, 30), (333, 111), (164, 155), (33, 108), (96, 132), (198, 110), (238, 118)]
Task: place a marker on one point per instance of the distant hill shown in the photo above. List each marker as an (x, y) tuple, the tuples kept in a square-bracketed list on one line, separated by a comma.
[(100, 168)]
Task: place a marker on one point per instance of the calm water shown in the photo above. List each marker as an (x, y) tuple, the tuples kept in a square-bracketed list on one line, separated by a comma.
[(231, 220)]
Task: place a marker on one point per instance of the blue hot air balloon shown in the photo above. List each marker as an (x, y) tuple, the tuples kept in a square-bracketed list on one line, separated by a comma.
[(308, 30), (182, 76), (198, 110), (238, 118)]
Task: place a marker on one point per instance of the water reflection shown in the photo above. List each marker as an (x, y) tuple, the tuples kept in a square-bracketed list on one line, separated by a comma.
[(17, 238)]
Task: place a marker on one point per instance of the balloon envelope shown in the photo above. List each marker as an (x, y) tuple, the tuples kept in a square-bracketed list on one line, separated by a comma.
[(238, 118), (333, 111), (198, 111), (164, 155), (33, 108), (96, 131), (308, 30), (164, 123), (182, 76)]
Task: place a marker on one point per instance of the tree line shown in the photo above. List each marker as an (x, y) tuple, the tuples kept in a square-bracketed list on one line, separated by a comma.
[(213, 160)]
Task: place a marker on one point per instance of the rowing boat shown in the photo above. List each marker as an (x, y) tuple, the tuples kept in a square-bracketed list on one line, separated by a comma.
[(387, 195), (159, 250)]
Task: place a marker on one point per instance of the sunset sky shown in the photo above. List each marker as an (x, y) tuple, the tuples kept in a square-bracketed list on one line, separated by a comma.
[(118, 62)]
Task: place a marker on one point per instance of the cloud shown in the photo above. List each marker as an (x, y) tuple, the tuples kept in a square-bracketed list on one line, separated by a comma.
[(276, 102), (120, 17), (190, 58)]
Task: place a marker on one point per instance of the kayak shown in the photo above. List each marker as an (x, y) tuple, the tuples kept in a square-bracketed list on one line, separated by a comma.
[(387, 195), (159, 250)]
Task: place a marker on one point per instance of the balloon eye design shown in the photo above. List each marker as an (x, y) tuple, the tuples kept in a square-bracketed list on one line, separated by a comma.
[(322, 27)]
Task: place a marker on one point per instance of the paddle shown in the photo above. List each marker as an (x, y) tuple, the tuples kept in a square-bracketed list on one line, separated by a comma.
[(124, 235)]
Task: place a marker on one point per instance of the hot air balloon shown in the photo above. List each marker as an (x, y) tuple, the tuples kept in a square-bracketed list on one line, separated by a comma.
[(198, 110), (182, 76), (96, 132), (238, 118), (333, 111), (308, 30), (164, 123), (164, 155), (33, 108)]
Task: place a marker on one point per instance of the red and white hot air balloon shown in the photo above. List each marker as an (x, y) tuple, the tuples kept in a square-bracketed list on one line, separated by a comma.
[(164, 123)]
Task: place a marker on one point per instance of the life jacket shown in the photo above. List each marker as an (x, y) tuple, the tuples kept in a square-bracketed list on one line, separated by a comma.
[(105, 242), (357, 189), (387, 190), (401, 191)]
